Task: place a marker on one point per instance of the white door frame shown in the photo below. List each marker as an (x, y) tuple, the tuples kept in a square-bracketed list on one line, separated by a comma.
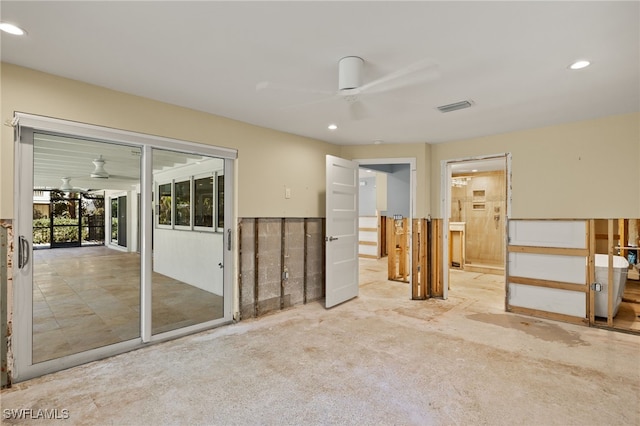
[(445, 208), (28, 124), (411, 161), (108, 223)]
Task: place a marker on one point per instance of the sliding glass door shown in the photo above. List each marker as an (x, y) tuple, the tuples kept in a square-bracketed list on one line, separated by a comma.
[(188, 247), (83, 297), (159, 273)]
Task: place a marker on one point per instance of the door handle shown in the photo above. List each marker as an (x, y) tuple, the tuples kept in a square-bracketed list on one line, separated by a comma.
[(23, 252), (228, 239), (332, 238)]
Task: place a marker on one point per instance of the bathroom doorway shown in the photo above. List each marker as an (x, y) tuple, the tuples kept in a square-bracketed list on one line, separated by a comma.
[(476, 207)]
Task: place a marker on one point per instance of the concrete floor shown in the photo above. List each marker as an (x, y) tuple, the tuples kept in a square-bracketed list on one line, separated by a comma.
[(379, 359)]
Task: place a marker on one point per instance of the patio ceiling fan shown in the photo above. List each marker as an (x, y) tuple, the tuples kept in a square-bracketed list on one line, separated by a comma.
[(99, 171), (67, 187), (351, 85)]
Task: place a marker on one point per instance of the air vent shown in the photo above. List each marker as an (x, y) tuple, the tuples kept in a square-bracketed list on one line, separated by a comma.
[(455, 106)]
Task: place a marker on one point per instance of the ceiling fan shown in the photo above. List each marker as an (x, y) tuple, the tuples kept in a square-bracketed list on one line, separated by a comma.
[(351, 83), (99, 171), (67, 187)]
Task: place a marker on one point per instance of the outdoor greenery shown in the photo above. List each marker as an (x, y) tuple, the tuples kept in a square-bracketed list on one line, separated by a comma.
[(41, 231), (66, 212)]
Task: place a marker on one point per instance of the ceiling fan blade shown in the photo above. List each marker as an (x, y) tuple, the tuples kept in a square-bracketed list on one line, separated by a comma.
[(268, 85), (357, 111), (424, 70), (123, 177), (305, 104)]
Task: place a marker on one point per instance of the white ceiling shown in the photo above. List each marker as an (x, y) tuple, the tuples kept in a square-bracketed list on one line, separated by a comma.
[(509, 58), (56, 158)]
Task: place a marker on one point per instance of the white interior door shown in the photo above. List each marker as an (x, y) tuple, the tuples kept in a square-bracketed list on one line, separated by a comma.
[(341, 231)]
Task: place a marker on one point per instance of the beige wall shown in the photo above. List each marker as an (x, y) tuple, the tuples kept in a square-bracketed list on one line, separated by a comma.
[(576, 170), (588, 169), (420, 151), (267, 160)]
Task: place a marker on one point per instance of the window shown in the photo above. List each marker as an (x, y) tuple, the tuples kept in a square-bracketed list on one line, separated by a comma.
[(220, 195), (183, 203), (204, 201), (164, 204), (197, 203), (114, 220)]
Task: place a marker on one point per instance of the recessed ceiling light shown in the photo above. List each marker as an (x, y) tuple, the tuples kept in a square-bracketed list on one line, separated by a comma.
[(578, 65), (332, 126), (474, 170), (11, 29), (377, 141)]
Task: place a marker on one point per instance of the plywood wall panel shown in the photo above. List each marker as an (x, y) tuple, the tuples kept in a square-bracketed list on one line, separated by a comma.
[(548, 233), (565, 302), (569, 269)]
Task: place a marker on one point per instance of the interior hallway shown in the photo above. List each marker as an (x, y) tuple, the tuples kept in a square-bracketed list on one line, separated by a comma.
[(379, 359)]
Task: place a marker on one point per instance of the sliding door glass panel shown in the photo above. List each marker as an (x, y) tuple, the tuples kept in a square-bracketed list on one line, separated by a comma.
[(85, 295), (187, 278), (114, 221)]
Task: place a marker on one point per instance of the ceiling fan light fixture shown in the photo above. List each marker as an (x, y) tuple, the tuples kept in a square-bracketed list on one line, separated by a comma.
[(66, 185), (350, 72), (99, 172)]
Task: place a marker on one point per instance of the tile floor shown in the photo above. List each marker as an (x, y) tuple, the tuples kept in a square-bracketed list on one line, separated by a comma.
[(88, 297)]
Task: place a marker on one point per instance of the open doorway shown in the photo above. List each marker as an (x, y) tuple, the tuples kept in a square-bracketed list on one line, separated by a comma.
[(386, 210), (476, 207)]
